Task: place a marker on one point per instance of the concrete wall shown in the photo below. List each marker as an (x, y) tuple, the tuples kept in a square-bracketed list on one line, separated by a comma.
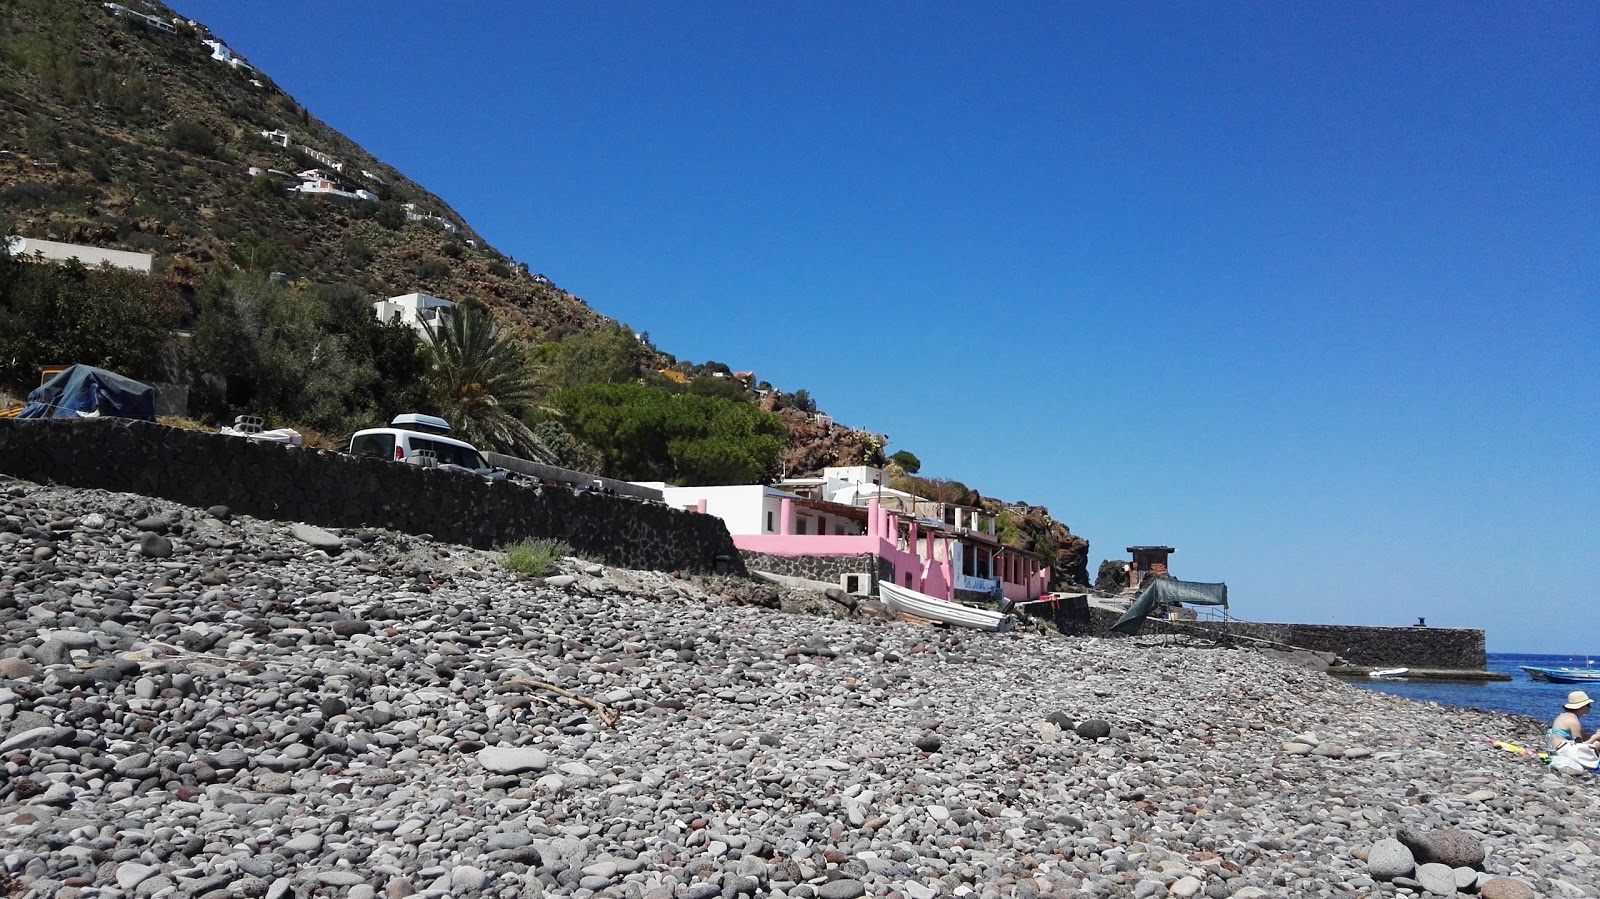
[(55, 251), (1376, 647), (741, 507), (338, 490)]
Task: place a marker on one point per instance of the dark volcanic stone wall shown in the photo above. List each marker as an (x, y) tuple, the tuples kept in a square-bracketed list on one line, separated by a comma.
[(1375, 647), (830, 569), (337, 490)]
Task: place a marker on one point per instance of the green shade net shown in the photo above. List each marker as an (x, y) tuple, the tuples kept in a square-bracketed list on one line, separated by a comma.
[(1164, 590)]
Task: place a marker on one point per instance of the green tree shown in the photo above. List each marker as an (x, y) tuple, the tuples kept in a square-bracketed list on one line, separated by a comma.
[(609, 355), (392, 350), (907, 461), (800, 399), (54, 313), (642, 432), (276, 352), (481, 384)]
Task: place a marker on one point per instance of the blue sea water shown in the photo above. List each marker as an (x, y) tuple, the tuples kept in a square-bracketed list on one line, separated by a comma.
[(1521, 695)]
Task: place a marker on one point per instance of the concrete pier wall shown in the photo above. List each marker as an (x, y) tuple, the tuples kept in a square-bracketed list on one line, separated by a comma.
[(1377, 647)]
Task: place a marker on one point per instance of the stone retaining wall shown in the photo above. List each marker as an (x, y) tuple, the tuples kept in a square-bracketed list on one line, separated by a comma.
[(829, 569), (1453, 648), (337, 490)]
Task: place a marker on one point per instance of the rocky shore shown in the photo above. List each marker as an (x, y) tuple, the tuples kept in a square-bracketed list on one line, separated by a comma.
[(196, 704)]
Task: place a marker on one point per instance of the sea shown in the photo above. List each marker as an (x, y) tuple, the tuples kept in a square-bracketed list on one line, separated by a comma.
[(1520, 696)]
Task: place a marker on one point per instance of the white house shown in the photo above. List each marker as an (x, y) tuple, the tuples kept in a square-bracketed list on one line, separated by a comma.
[(313, 181), (117, 9), (418, 310), (281, 138), (412, 214), (224, 54), (89, 256)]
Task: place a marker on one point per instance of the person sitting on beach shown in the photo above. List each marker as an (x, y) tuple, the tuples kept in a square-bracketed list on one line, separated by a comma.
[(1567, 728)]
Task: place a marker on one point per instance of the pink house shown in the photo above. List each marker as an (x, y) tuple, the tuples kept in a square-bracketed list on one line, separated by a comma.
[(855, 546)]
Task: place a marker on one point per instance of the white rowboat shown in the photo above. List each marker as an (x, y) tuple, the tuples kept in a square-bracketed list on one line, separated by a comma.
[(903, 599)]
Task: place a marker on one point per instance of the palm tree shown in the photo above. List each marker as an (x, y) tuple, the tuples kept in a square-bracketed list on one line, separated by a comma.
[(482, 384)]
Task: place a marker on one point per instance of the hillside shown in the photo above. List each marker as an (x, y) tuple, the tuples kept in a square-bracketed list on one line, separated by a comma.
[(122, 128), (115, 133)]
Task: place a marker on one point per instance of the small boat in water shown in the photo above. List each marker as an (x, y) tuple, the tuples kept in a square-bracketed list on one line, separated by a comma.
[(1563, 675), (1389, 672), (903, 599)]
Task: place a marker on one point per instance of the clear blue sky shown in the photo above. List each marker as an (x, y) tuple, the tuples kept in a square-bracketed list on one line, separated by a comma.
[(1308, 291)]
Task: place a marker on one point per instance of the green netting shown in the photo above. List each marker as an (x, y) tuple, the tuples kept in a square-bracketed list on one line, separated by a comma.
[(1165, 590)]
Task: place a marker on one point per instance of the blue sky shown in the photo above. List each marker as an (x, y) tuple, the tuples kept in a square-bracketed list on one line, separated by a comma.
[(1308, 291)]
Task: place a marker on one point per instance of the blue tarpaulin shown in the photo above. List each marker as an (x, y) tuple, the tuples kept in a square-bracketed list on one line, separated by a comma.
[(94, 391)]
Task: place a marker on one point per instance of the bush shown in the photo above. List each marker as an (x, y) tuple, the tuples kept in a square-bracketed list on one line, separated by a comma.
[(192, 137), (535, 557), (433, 270)]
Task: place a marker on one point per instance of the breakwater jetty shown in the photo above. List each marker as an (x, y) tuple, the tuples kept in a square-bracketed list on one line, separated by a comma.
[(1446, 649)]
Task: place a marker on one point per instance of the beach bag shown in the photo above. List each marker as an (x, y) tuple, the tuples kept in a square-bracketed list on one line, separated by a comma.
[(1581, 754)]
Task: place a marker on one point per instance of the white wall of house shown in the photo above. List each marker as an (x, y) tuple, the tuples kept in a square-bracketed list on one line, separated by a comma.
[(415, 309), (744, 508), (857, 474), (90, 256)]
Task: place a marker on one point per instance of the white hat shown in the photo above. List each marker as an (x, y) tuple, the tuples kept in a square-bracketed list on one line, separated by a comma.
[(1577, 699)]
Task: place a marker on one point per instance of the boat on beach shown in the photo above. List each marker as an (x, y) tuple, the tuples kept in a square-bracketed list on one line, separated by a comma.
[(1389, 672), (904, 599), (1563, 675)]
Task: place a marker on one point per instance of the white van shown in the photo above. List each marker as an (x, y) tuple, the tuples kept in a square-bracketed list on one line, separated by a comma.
[(423, 440)]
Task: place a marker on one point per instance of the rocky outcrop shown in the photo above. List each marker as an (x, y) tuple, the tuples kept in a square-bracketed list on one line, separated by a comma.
[(815, 444)]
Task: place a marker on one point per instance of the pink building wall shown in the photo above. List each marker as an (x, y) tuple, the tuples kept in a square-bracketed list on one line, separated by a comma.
[(929, 576)]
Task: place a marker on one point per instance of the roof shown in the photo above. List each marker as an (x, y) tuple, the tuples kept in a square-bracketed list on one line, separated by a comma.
[(1151, 549)]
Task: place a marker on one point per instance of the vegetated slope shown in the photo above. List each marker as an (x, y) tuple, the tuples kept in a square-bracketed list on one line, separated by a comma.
[(117, 134)]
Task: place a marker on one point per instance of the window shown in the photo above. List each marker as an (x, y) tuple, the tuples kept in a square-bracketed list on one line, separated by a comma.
[(378, 446), (450, 454), (769, 521), (799, 525)]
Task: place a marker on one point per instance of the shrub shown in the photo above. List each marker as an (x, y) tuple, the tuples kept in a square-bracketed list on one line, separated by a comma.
[(535, 557), (192, 137)]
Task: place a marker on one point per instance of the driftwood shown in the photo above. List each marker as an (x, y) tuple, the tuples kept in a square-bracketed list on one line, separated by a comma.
[(608, 715)]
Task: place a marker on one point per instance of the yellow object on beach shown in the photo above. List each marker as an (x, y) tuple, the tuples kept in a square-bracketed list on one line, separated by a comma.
[(1511, 747)]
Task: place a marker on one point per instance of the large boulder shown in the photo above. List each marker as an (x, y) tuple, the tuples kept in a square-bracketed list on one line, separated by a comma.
[(1390, 859), (1455, 848)]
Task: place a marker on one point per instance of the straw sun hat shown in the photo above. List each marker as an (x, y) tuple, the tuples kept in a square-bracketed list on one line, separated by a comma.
[(1577, 699)]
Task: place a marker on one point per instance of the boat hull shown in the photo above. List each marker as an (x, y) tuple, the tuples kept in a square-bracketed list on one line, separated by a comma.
[(902, 599), (1564, 675)]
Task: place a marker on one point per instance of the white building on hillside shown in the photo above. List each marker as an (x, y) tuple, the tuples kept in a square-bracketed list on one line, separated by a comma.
[(224, 54), (419, 310)]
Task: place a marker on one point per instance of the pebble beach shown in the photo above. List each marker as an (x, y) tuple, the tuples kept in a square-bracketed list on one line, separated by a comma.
[(197, 704)]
